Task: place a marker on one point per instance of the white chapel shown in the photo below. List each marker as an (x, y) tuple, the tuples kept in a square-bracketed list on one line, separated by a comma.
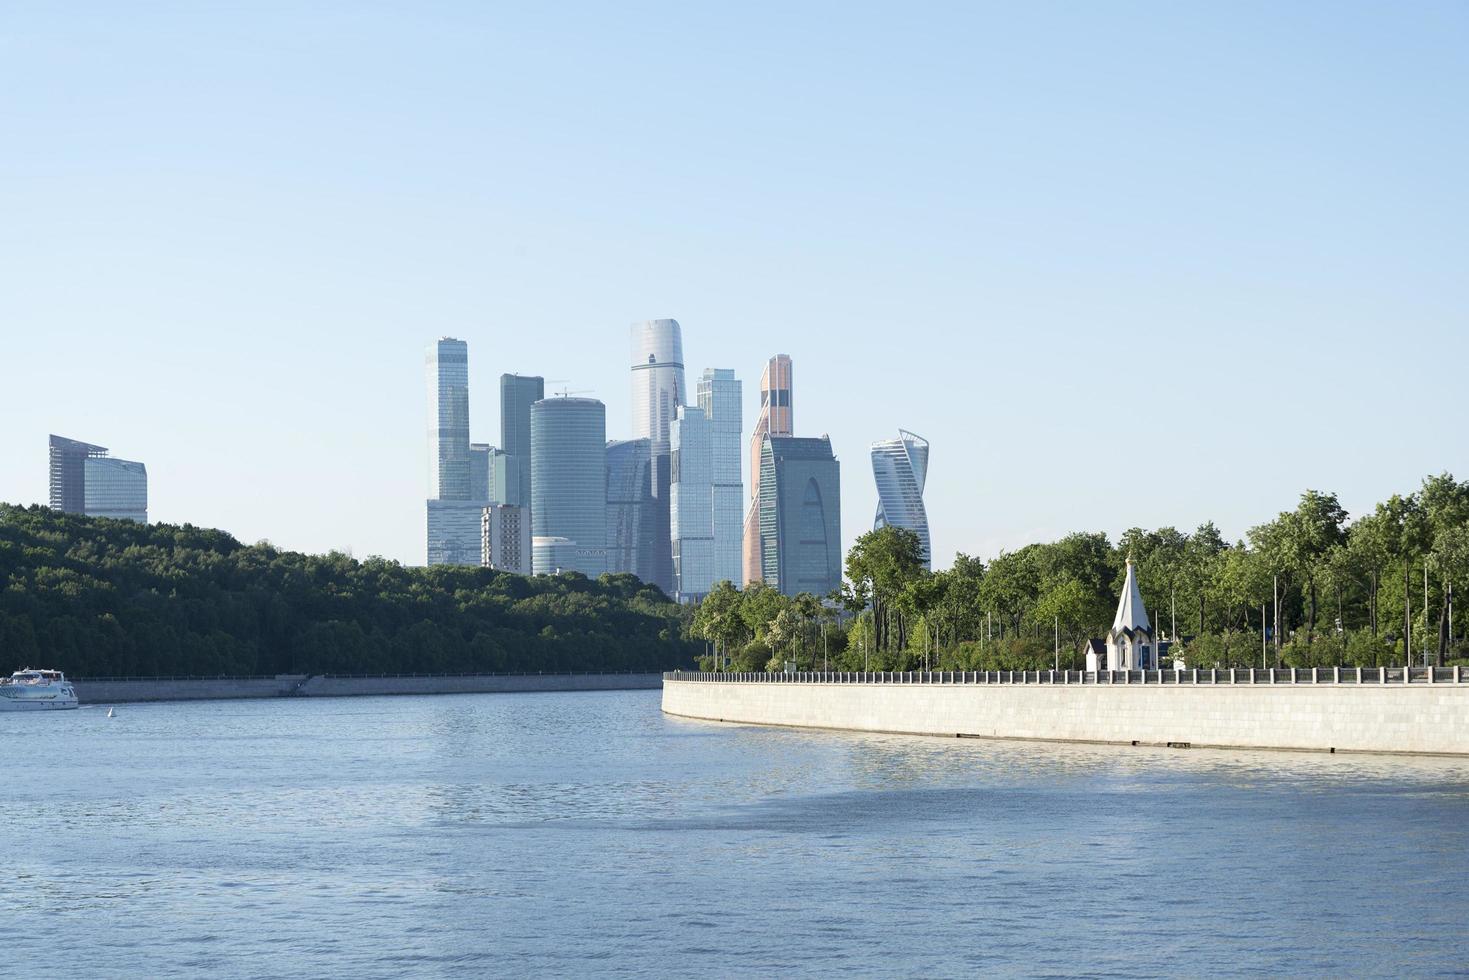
[(1130, 644)]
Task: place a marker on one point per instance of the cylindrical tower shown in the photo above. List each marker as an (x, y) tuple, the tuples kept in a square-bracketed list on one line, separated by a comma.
[(657, 380)]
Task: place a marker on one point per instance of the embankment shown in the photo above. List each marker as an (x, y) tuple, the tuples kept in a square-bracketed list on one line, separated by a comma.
[(1343, 711), (133, 689)]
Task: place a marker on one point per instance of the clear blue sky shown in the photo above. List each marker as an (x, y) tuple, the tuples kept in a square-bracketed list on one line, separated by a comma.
[(1122, 263)]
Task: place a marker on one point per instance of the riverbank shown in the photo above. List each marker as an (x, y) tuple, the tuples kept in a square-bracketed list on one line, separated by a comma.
[(136, 689), (1323, 711)]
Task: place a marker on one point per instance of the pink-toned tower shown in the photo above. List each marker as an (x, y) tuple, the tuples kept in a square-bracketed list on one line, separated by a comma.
[(775, 419)]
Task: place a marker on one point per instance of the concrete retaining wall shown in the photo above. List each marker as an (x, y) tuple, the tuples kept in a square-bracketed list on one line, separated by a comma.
[(1419, 718), (300, 685)]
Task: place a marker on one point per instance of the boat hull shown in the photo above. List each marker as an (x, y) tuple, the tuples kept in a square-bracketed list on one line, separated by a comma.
[(57, 703)]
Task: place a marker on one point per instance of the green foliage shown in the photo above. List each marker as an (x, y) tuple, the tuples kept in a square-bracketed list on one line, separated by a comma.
[(99, 597)]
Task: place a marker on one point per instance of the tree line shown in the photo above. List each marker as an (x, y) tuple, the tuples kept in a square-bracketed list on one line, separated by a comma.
[(100, 597), (1312, 587)]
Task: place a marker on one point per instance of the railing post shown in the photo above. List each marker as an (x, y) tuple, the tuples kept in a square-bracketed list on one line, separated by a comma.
[(1431, 670), (1382, 675), (1456, 673)]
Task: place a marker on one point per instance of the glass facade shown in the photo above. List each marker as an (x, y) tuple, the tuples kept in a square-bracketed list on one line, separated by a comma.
[(657, 380), (775, 419), (900, 467), (720, 395), (454, 531), (448, 420), (691, 504), (800, 515), (68, 473), (116, 488), (569, 483), (631, 516), (517, 394)]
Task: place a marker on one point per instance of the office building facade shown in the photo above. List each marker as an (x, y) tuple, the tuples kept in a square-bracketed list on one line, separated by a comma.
[(569, 484), (800, 515), (505, 538), (900, 468), (84, 479), (775, 419), (116, 488), (447, 363), (517, 394), (691, 504), (657, 380), (454, 532), (720, 395), (632, 526)]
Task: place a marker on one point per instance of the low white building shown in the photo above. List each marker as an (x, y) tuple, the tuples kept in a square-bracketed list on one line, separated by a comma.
[(1130, 643)]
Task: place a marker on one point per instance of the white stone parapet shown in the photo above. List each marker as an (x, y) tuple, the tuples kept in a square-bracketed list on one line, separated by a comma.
[(1329, 709)]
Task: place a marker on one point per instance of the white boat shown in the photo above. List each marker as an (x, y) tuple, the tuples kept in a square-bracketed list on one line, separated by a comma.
[(36, 690)]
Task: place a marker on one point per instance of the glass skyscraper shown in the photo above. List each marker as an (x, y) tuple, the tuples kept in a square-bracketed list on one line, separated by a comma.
[(900, 467), (448, 420), (720, 396), (568, 449), (800, 515), (453, 511), (691, 504), (657, 380), (85, 480), (632, 526), (775, 419), (517, 394)]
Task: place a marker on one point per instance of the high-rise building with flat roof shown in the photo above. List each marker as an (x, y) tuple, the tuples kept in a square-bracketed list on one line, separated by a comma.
[(720, 396), (518, 392), (452, 532), (775, 419), (85, 480), (800, 515), (569, 483), (691, 504), (632, 540), (505, 538), (657, 380), (447, 363), (900, 467)]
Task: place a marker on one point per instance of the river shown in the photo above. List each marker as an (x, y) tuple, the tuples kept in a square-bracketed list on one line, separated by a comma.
[(587, 834)]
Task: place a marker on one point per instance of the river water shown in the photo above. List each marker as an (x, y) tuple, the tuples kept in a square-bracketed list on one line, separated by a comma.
[(587, 834)]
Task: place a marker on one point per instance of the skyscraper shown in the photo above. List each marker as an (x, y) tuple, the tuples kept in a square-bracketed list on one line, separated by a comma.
[(479, 471), (657, 380), (900, 467), (631, 522), (568, 440), (800, 515), (85, 480), (452, 534), (720, 396), (691, 504), (517, 394), (775, 419), (448, 420)]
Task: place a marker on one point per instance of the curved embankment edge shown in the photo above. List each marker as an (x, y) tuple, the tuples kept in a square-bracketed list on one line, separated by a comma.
[(1425, 719), (323, 686)]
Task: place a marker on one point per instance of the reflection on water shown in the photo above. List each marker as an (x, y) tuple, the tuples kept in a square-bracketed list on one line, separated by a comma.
[(587, 833)]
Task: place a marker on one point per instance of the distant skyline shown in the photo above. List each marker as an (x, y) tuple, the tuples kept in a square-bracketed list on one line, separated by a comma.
[(1217, 250)]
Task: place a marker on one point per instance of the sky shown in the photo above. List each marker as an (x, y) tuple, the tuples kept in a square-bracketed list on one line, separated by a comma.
[(1123, 264)]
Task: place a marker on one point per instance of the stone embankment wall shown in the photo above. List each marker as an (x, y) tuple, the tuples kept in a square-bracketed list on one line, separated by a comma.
[(110, 691), (1419, 718)]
